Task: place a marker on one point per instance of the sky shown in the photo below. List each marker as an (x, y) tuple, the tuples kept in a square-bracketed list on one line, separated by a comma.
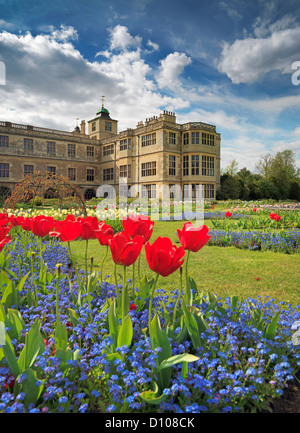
[(234, 64)]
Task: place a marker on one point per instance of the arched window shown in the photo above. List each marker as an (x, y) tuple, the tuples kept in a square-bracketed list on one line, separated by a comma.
[(89, 194)]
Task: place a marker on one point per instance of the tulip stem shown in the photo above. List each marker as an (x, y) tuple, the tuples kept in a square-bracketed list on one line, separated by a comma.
[(186, 267), (41, 251), (86, 250), (57, 294), (116, 281), (103, 260), (187, 289), (123, 294), (33, 277), (139, 268), (151, 300), (73, 262), (179, 296), (133, 275)]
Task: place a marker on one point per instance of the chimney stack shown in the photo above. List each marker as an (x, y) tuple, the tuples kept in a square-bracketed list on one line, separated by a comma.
[(82, 127)]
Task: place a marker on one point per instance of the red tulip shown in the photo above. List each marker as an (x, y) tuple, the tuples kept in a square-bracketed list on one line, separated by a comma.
[(228, 214), (41, 225), (3, 219), (4, 239), (88, 227), (66, 230), (70, 217), (104, 233), (25, 223), (193, 238), (275, 217), (163, 257), (124, 250), (139, 225), (254, 209), (13, 220)]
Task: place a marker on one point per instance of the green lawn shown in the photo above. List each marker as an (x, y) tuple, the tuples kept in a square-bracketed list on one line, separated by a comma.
[(224, 271)]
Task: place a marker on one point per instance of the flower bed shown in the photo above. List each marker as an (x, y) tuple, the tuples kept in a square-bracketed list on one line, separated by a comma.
[(285, 241), (75, 343)]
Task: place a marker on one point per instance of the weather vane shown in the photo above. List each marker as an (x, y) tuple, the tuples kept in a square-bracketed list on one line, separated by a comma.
[(103, 101)]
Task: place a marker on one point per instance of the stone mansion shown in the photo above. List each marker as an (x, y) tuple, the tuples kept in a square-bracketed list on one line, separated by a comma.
[(158, 153)]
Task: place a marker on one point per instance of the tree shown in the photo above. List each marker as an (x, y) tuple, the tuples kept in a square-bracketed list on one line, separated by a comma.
[(263, 166), (230, 188), (294, 192), (232, 168), (280, 170), (267, 189)]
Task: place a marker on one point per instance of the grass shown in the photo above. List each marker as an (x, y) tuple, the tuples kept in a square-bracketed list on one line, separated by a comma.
[(224, 271)]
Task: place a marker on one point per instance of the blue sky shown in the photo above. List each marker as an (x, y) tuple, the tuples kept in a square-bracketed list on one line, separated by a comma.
[(223, 62)]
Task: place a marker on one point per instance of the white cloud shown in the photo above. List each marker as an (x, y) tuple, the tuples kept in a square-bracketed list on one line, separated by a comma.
[(232, 13), (171, 67), (120, 38), (153, 46), (64, 34), (247, 60), (49, 83)]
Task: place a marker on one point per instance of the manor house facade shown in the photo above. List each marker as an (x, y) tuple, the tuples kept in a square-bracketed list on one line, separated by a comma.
[(158, 153)]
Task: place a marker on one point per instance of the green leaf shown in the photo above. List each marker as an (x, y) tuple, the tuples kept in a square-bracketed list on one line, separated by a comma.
[(181, 336), (192, 327), (34, 345), (64, 356), (10, 295), (126, 296), (184, 369), (113, 356), (73, 317), (177, 359), (2, 313), (20, 286), (29, 387), (61, 337), (152, 397), (145, 289), (14, 321), (202, 325), (113, 323), (125, 333), (271, 328), (10, 356), (234, 302), (188, 296), (30, 299), (160, 339)]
